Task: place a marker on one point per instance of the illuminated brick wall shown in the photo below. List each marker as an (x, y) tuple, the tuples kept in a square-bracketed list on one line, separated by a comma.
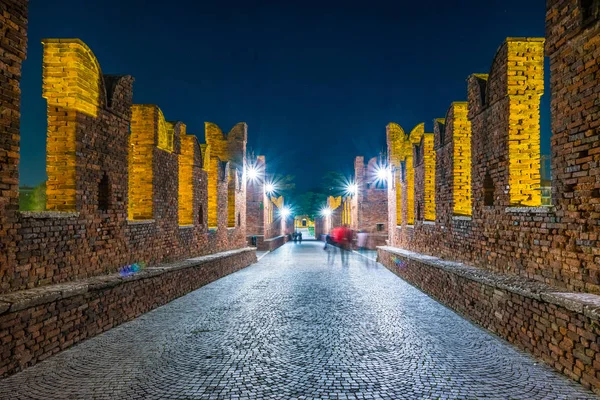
[(458, 130), (72, 84), (258, 205), (395, 138), (453, 164), (525, 62), (429, 176), (369, 208), (505, 232), (144, 124), (186, 178), (213, 200), (123, 182), (231, 185), (231, 148), (497, 225)]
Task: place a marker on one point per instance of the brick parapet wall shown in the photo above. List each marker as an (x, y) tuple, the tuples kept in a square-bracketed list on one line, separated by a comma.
[(102, 225), (13, 30), (561, 329), (370, 206), (553, 245), (38, 323)]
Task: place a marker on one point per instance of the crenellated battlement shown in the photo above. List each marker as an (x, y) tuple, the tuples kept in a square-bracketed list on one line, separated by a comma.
[(125, 171)]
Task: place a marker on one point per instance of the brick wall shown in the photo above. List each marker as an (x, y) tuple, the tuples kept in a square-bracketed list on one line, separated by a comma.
[(13, 30), (262, 211), (560, 329), (57, 317), (369, 208), (124, 186), (113, 198), (501, 230)]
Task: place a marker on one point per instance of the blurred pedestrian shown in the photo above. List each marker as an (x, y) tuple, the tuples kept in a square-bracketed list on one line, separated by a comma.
[(330, 248), (362, 242), (300, 237), (346, 236)]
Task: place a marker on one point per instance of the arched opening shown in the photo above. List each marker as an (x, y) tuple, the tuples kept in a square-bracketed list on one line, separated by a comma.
[(488, 190), (104, 193), (201, 216)]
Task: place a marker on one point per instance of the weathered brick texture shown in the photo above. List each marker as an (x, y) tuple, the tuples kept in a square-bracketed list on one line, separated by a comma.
[(369, 208), (124, 186), (560, 329), (13, 48), (487, 211), (263, 221), (500, 230), (54, 318)]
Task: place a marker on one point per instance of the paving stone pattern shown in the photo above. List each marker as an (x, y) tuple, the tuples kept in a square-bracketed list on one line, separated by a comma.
[(292, 326)]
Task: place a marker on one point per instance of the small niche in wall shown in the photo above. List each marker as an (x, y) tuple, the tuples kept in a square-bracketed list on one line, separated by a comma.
[(590, 11), (104, 193), (488, 190), (201, 216)]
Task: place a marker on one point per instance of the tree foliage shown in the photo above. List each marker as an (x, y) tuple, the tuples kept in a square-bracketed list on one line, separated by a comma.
[(33, 198)]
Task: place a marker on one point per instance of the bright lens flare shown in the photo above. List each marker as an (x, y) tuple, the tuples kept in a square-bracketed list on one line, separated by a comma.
[(382, 173), (252, 172), (326, 212), (269, 188), (352, 189), (285, 212)]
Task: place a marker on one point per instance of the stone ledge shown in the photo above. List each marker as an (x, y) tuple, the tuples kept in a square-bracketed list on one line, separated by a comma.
[(142, 222), (461, 218), (21, 300), (583, 303), (48, 214), (274, 238), (529, 210)]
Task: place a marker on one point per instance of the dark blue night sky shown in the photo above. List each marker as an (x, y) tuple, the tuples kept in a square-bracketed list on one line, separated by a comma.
[(316, 82)]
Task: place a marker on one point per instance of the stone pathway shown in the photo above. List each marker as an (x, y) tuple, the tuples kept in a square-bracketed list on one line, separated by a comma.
[(293, 327)]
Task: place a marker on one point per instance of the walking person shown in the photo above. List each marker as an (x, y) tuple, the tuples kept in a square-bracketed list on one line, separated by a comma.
[(295, 237), (345, 244), (300, 237), (330, 248)]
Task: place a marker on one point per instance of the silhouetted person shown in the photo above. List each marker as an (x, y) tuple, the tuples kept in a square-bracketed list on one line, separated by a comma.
[(300, 237)]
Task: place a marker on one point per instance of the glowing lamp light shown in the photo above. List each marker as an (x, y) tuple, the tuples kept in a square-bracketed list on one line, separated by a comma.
[(269, 188), (285, 212), (326, 212), (252, 172), (352, 189), (382, 173)]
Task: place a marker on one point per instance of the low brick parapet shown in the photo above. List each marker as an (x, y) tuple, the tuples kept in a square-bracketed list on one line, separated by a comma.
[(558, 327), (39, 322)]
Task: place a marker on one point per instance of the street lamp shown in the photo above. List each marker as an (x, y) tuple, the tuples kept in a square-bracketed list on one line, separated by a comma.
[(326, 212), (269, 188), (252, 172), (285, 212), (352, 189)]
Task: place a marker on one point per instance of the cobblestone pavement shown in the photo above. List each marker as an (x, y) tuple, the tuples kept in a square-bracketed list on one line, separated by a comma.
[(293, 327)]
